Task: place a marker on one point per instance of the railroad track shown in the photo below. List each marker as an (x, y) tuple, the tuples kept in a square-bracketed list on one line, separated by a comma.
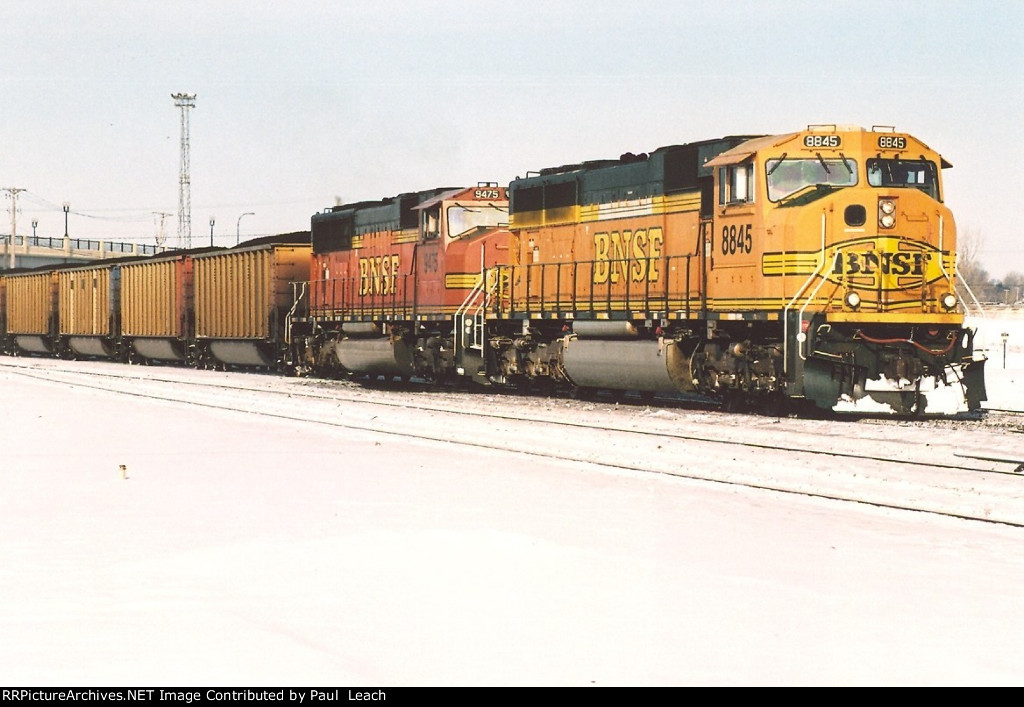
[(896, 466)]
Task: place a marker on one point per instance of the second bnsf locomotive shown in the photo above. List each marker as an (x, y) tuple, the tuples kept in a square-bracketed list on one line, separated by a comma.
[(814, 266)]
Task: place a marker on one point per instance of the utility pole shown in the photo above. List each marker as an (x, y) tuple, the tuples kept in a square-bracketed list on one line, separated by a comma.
[(12, 194), (161, 235), (185, 101)]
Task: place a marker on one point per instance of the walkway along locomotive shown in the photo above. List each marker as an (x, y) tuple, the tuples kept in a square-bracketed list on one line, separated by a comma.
[(811, 266)]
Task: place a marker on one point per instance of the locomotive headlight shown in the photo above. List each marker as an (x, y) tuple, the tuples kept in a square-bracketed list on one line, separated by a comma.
[(852, 299), (887, 213), (948, 301)]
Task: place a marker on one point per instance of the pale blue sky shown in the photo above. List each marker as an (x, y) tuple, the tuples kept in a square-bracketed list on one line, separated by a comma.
[(301, 102)]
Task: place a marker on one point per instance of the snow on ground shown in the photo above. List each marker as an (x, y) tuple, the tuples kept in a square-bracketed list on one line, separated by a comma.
[(1004, 373), (241, 550)]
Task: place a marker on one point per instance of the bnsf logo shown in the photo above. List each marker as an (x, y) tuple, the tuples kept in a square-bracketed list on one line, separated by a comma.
[(627, 254), (378, 275), (871, 262)]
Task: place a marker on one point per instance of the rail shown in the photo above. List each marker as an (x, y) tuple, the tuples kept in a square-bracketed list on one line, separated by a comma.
[(363, 299), (659, 284)]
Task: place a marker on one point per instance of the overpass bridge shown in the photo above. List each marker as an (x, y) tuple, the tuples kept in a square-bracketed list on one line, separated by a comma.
[(33, 251)]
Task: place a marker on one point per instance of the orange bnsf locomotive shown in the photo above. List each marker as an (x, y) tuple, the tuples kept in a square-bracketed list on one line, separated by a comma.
[(814, 266), (389, 279)]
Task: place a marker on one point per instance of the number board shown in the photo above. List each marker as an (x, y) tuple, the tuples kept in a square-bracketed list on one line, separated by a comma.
[(892, 142), (822, 141)]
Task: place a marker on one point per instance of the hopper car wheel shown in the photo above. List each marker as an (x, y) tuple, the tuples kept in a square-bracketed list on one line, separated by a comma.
[(205, 361)]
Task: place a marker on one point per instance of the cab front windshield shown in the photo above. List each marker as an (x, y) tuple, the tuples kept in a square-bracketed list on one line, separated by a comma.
[(789, 176), (464, 219), (914, 174)]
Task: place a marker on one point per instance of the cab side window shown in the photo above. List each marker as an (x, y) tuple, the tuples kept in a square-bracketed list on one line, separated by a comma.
[(736, 184)]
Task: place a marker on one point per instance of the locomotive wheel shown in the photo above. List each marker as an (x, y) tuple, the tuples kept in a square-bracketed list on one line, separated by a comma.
[(582, 393), (734, 401)]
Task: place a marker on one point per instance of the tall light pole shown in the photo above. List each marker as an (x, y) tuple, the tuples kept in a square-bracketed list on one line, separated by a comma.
[(212, 221), (12, 194), (35, 222), (238, 226), (185, 101), (67, 207)]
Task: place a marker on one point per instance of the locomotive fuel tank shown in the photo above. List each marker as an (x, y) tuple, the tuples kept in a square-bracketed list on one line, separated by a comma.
[(646, 366), (378, 356)]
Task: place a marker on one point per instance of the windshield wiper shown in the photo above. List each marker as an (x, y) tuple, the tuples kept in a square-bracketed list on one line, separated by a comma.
[(776, 165), (823, 165), (846, 163)]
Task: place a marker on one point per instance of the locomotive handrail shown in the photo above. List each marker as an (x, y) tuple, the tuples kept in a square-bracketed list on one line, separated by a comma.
[(981, 310), (811, 299), (291, 312), (956, 270), (338, 297), (799, 292), (578, 292)]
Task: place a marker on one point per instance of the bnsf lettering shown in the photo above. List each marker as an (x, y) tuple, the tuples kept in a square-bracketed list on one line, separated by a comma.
[(886, 263), (632, 254), (378, 275)]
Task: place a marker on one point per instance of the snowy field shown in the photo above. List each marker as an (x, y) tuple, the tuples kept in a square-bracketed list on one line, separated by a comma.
[(240, 550), (1004, 381)]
